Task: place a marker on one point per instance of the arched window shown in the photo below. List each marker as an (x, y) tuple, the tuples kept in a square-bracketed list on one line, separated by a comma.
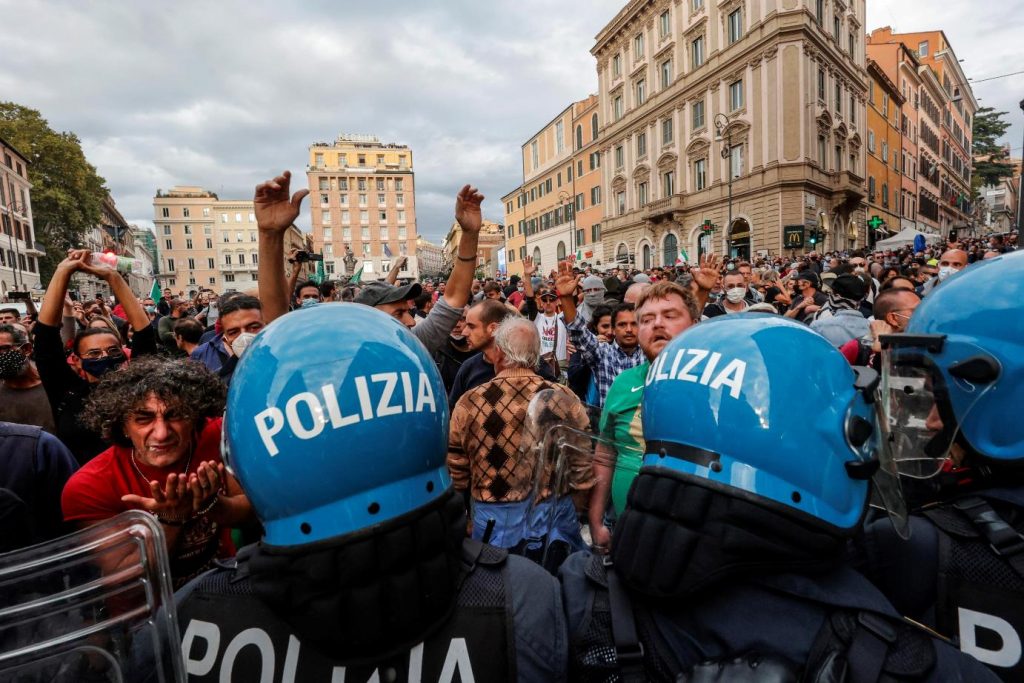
[(536, 257), (671, 250), (622, 255), (646, 256), (593, 126), (579, 137), (560, 251)]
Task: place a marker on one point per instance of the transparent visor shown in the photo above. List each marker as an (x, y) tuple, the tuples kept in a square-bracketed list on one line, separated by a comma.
[(572, 470), (560, 444), (918, 428)]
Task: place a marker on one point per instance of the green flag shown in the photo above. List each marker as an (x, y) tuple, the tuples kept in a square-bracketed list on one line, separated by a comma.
[(154, 292), (319, 276), (357, 278)]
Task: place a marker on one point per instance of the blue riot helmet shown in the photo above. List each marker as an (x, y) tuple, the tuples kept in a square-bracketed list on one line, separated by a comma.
[(952, 382), (764, 409), (336, 422)]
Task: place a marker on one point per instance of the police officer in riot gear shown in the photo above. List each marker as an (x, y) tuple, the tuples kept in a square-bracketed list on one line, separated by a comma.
[(728, 561), (952, 387), (336, 428)]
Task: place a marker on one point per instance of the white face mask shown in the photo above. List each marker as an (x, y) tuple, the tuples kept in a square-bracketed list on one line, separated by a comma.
[(242, 342), (945, 271), (735, 295)]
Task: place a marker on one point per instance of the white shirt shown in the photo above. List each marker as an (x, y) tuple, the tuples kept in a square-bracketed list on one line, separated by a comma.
[(548, 327)]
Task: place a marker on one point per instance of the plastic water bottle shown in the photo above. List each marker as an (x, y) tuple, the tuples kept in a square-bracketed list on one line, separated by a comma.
[(115, 262)]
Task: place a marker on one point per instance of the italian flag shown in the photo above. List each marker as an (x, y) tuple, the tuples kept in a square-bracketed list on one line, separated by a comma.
[(682, 258)]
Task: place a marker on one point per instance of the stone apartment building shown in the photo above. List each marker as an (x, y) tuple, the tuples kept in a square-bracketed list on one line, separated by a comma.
[(552, 215), (492, 238), (19, 252), (207, 242), (885, 147), (184, 219), (430, 257), (363, 200), (948, 105), (762, 101)]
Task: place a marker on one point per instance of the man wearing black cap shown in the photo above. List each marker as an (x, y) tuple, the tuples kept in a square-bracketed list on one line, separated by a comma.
[(810, 298), (840, 319), (276, 210)]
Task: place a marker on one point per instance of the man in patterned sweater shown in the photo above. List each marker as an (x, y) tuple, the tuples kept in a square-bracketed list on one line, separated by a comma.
[(486, 457)]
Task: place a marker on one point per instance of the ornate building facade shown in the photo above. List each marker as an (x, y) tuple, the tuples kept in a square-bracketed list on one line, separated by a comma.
[(363, 201), (734, 126)]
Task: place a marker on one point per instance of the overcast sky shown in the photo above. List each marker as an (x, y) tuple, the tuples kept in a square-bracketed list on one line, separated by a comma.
[(224, 94)]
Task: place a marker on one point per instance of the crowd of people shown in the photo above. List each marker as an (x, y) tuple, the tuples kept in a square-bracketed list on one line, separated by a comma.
[(799, 468)]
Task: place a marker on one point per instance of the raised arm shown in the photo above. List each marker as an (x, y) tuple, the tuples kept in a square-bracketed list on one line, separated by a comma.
[(566, 284), (392, 277), (135, 311), (53, 300), (704, 278), (470, 218), (275, 210)]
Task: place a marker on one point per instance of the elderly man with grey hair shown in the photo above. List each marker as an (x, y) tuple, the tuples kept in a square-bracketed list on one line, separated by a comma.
[(486, 458)]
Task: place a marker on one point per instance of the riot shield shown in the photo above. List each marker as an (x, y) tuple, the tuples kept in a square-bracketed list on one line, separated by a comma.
[(95, 605), (565, 476)]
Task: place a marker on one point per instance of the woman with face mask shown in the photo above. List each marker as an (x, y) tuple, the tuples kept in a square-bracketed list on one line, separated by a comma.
[(95, 351)]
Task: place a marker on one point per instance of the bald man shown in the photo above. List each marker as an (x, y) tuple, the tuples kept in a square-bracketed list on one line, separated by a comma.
[(634, 292), (951, 262)]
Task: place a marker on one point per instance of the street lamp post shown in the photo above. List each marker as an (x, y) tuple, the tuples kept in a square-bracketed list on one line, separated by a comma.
[(722, 126), (565, 199), (1020, 187), (19, 277), (526, 231)]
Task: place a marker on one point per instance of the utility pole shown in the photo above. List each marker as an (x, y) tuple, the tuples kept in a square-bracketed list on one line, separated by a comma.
[(722, 125), (19, 277), (1020, 187)]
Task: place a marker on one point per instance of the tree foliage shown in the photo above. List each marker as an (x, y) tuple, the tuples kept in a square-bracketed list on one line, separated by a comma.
[(67, 193), (990, 158)]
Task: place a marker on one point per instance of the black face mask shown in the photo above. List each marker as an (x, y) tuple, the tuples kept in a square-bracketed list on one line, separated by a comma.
[(12, 363), (97, 367)]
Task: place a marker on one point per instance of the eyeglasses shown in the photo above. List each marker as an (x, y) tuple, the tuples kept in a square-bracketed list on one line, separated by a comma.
[(4, 348), (548, 297), (114, 352)]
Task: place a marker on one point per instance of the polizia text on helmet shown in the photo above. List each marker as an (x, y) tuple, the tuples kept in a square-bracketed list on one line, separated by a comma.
[(686, 367), (307, 415)]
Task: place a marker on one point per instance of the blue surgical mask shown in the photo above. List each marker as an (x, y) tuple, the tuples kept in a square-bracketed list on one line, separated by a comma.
[(308, 303), (97, 367)]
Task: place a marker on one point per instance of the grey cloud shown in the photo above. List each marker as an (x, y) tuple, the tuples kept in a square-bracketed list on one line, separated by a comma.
[(226, 94)]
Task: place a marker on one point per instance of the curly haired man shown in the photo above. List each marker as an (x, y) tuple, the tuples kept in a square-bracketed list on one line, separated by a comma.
[(164, 419)]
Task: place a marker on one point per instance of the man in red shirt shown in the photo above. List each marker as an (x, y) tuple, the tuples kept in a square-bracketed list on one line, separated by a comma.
[(164, 419)]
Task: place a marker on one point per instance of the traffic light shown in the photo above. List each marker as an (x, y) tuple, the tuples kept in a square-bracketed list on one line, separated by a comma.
[(814, 237)]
